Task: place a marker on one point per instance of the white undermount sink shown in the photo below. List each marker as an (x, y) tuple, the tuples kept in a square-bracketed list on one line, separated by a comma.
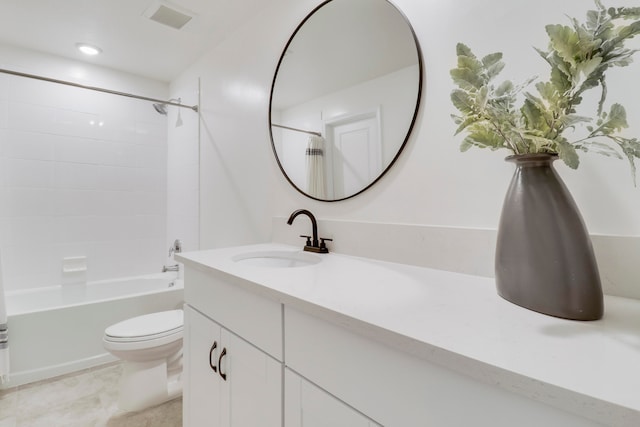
[(277, 259)]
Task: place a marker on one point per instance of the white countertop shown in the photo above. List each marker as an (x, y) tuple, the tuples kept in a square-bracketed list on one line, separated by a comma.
[(459, 321)]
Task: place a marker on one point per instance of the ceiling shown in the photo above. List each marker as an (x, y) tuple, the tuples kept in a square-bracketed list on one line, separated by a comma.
[(130, 41)]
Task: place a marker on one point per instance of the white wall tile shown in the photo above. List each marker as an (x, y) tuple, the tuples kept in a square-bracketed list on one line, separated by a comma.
[(116, 178), (29, 230), (69, 180), (75, 123), (115, 203), (77, 176), (182, 151), (25, 266), (152, 250), (121, 154), (3, 142), (110, 259), (150, 180), (182, 202), (28, 201), (4, 113), (33, 91), (118, 228), (4, 86), (184, 177), (151, 133), (74, 149), (73, 229), (81, 173), (149, 202), (3, 177), (151, 156), (149, 226), (5, 228), (28, 145), (31, 117), (96, 151), (29, 173), (72, 202)]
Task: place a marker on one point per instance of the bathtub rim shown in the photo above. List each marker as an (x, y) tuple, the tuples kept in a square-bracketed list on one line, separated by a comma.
[(171, 277)]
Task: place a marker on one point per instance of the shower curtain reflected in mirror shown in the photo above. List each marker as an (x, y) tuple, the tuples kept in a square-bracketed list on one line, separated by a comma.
[(316, 185)]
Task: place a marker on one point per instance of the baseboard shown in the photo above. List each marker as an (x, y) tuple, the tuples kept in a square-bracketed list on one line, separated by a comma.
[(47, 372)]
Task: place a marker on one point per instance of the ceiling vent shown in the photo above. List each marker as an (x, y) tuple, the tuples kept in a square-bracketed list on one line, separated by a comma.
[(169, 15)]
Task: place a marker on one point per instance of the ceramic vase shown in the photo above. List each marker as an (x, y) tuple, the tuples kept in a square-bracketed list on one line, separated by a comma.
[(544, 258)]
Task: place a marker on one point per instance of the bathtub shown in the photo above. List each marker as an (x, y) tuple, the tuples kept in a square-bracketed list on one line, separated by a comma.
[(56, 330)]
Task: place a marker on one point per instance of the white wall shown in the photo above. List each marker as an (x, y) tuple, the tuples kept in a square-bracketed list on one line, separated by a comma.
[(82, 173), (432, 183), (236, 160), (183, 168)]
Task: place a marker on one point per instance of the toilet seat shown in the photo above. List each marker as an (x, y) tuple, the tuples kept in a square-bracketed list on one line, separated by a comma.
[(147, 327), (159, 332)]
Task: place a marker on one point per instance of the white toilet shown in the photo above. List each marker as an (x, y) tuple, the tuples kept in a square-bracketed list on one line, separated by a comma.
[(151, 348)]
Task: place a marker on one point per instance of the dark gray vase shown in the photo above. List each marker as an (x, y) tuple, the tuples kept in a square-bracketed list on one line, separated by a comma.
[(544, 258)]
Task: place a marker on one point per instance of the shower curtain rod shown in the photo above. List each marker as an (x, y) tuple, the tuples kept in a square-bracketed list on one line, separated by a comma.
[(98, 89), (297, 130)]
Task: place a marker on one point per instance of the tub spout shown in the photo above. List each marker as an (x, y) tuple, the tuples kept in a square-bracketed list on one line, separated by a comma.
[(166, 268)]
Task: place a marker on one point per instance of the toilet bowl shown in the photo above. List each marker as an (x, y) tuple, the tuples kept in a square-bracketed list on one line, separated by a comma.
[(151, 349)]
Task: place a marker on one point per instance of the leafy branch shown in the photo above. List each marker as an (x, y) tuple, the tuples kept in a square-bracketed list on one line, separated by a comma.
[(579, 56)]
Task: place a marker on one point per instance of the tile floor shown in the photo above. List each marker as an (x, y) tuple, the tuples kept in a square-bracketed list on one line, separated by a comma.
[(83, 399)]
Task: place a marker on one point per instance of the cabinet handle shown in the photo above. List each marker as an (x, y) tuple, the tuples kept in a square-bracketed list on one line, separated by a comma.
[(224, 353), (213, 347)]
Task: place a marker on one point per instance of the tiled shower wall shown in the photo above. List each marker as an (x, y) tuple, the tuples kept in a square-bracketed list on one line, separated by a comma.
[(82, 173)]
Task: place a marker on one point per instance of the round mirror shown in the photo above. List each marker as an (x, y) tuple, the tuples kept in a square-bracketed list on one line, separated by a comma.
[(344, 98)]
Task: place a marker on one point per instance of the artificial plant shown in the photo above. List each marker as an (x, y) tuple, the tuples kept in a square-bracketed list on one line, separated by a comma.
[(579, 56)]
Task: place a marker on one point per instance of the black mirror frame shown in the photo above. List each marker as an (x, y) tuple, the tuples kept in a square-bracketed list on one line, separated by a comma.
[(409, 130)]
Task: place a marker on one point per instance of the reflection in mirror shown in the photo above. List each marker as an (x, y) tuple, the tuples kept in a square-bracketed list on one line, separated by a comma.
[(344, 97)]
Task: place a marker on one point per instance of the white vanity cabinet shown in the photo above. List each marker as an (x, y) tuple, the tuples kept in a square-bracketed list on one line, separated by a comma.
[(306, 405), (359, 343), (203, 386), (398, 390), (231, 383), (229, 380)]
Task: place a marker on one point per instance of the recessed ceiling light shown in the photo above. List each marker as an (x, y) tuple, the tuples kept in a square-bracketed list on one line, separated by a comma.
[(88, 49)]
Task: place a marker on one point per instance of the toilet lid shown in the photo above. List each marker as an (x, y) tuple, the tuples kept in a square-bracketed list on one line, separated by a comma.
[(161, 323)]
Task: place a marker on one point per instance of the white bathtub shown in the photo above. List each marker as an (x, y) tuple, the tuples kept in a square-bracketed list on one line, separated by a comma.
[(57, 330)]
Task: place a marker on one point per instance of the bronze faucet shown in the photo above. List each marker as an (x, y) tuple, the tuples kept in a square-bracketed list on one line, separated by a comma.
[(312, 244)]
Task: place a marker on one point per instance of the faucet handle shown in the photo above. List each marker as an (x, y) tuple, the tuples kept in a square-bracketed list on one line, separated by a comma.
[(323, 246), (308, 239), (176, 247)]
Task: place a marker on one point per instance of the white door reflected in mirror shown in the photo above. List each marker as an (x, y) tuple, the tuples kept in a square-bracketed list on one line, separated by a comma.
[(354, 152)]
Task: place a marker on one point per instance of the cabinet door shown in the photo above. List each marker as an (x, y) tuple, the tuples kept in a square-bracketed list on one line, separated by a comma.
[(306, 405), (202, 385), (253, 385)]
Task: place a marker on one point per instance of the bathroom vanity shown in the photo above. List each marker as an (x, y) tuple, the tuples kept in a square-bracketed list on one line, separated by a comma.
[(275, 336)]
